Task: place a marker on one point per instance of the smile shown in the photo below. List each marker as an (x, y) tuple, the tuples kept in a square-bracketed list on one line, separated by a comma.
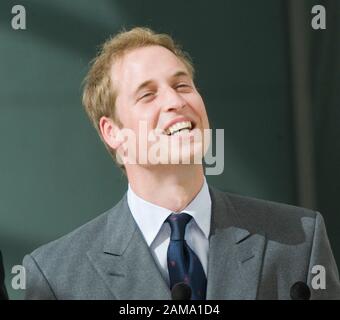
[(184, 126)]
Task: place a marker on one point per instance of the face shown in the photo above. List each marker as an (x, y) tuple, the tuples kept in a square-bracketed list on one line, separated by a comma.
[(155, 89)]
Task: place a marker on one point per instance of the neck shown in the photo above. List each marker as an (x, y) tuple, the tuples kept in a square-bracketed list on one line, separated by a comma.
[(172, 187)]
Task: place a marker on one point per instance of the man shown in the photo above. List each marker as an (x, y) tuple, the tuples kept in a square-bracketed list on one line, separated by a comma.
[(3, 292), (171, 227)]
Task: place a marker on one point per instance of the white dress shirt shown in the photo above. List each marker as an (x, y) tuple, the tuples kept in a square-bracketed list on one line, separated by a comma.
[(150, 219)]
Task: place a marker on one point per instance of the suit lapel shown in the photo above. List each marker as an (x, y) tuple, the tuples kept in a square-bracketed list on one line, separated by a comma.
[(235, 255), (124, 260)]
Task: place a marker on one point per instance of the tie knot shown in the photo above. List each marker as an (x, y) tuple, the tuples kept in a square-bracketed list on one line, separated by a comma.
[(178, 222)]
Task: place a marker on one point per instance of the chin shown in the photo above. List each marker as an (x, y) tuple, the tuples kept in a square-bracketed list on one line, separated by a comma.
[(191, 154)]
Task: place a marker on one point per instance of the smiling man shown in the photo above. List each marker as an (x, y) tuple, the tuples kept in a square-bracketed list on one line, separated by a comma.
[(170, 227), (155, 87)]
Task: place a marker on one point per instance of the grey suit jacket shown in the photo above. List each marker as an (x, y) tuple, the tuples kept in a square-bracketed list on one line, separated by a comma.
[(258, 250)]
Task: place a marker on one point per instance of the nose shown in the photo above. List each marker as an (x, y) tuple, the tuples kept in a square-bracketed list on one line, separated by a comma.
[(172, 100)]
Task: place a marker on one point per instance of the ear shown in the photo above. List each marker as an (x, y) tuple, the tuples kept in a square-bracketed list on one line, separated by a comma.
[(109, 131)]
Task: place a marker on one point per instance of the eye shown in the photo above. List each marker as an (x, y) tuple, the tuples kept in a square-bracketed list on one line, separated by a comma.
[(146, 95), (183, 87)]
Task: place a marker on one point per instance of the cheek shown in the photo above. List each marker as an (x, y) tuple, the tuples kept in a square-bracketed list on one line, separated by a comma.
[(121, 113), (199, 106), (148, 115), (201, 111)]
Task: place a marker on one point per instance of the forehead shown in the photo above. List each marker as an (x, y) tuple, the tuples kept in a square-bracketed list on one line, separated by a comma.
[(146, 63)]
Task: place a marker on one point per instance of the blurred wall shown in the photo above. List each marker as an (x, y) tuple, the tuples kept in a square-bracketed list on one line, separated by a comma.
[(325, 93), (56, 174)]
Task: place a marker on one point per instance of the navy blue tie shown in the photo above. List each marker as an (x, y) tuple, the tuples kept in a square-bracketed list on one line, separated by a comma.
[(183, 264)]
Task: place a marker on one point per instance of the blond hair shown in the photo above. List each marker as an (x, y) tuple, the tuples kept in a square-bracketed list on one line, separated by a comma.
[(99, 93)]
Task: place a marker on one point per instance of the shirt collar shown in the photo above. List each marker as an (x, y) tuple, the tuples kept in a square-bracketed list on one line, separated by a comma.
[(150, 217)]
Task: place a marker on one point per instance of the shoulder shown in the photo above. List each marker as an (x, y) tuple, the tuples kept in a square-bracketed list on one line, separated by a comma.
[(73, 246), (277, 220)]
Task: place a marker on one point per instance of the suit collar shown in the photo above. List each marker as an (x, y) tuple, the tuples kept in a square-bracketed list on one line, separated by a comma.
[(234, 262), (120, 228), (125, 262), (235, 254)]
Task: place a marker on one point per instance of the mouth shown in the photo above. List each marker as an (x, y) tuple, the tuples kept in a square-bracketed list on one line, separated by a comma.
[(181, 126)]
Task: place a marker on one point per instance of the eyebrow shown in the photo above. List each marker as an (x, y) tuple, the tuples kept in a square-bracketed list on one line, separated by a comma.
[(147, 82)]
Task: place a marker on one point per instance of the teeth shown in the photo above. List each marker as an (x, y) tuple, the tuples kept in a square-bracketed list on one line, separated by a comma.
[(178, 126), (183, 130)]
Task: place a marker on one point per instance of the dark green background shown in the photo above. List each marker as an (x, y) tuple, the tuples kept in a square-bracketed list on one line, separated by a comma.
[(54, 172)]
